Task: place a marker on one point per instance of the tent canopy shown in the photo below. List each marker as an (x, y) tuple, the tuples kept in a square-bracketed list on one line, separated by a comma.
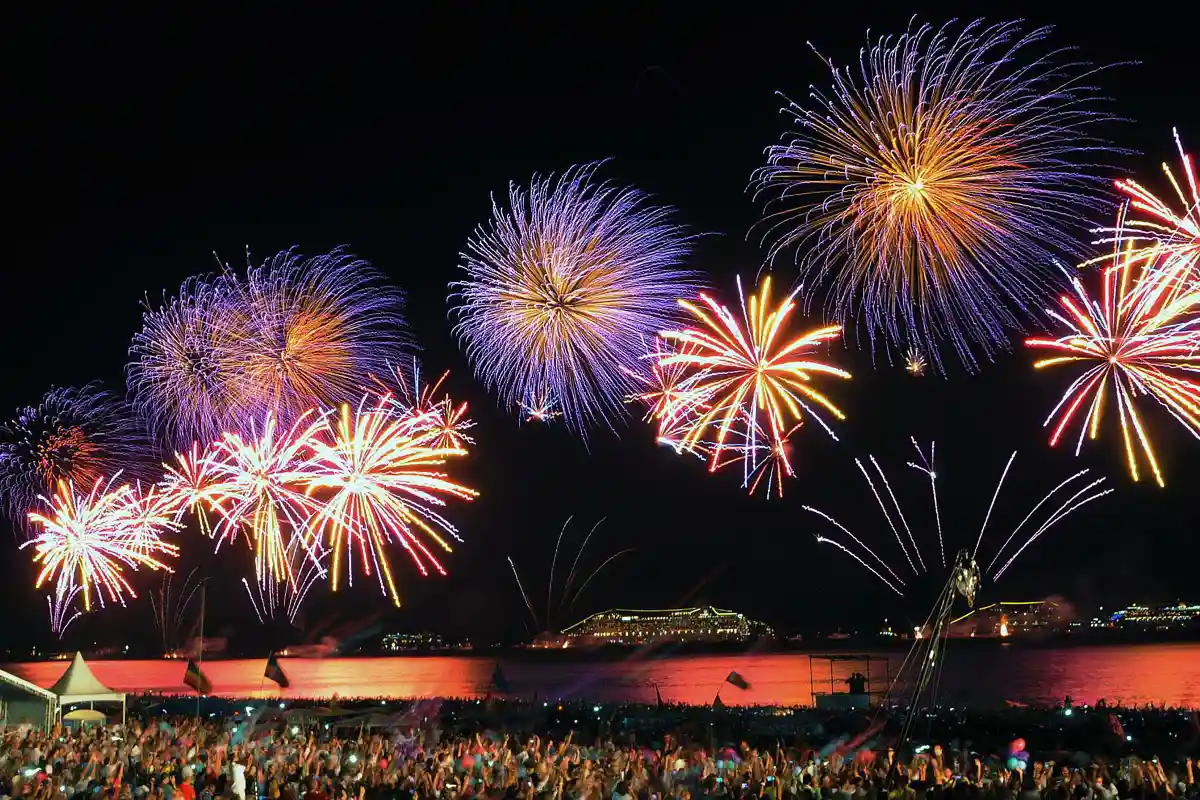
[(79, 685)]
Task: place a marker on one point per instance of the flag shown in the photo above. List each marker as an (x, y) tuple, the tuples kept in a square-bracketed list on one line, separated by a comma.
[(196, 679), (737, 680), (1117, 727), (275, 672), (658, 696), (499, 682)]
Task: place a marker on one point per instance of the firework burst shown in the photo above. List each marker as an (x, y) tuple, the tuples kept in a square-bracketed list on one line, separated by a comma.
[(184, 374), (257, 491), (74, 434), (1070, 494), (1141, 338), (375, 468), (915, 363), (318, 326), (424, 398), (563, 288), (1158, 234), (928, 187), (669, 396), (87, 541), (750, 380)]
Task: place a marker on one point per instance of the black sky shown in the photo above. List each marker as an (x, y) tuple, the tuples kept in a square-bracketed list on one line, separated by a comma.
[(146, 142)]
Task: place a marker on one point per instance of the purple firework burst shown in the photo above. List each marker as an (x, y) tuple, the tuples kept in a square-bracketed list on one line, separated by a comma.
[(75, 434), (184, 374), (293, 334), (564, 288)]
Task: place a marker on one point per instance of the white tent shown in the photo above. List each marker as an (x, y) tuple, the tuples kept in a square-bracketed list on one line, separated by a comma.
[(79, 685)]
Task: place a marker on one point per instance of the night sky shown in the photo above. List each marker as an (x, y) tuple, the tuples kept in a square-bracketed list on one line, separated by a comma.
[(158, 140)]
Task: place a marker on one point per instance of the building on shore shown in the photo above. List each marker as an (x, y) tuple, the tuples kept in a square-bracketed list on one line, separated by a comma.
[(632, 627), (417, 642)]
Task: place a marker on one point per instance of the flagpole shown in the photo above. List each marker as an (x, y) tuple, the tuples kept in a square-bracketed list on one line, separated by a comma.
[(200, 656)]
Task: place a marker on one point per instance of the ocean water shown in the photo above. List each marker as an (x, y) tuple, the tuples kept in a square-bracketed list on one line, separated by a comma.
[(982, 673)]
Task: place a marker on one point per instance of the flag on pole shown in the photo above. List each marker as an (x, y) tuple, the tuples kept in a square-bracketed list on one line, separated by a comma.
[(196, 679), (275, 672), (737, 680), (499, 682)]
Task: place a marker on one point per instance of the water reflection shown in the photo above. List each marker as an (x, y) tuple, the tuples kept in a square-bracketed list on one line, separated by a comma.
[(986, 675)]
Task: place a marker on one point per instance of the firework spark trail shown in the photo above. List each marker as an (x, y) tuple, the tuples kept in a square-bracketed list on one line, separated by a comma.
[(578, 555), (1032, 511), (927, 466), (567, 598), (1142, 337), (166, 622), (380, 461), (88, 541), (857, 541), (755, 383), (992, 505), (923, 194), (563, 287), (63, 611), (271, 599), (524, 596), (76, 434), (855, 556), (886, 514), (1061, 513), (899, 512)]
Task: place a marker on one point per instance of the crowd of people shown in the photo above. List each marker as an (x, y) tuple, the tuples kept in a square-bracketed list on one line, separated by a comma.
[(453, 754)]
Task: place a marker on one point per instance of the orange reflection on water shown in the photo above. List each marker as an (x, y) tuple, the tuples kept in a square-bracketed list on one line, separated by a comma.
[(976, 672)]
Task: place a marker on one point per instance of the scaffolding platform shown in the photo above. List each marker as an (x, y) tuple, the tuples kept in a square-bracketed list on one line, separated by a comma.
[(863, 689)]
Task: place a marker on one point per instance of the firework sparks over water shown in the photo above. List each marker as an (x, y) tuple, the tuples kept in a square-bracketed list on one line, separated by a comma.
[(87, 541), (752, 383), (73, 434), (1070, 494), (564, 286), (929, 187)]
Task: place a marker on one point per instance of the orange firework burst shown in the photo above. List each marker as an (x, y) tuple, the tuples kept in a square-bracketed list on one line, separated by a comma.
[(1141, 338), (667, 393), (424, 398), (755, 382), (86, 541), (1167, 238), (379, 461)]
